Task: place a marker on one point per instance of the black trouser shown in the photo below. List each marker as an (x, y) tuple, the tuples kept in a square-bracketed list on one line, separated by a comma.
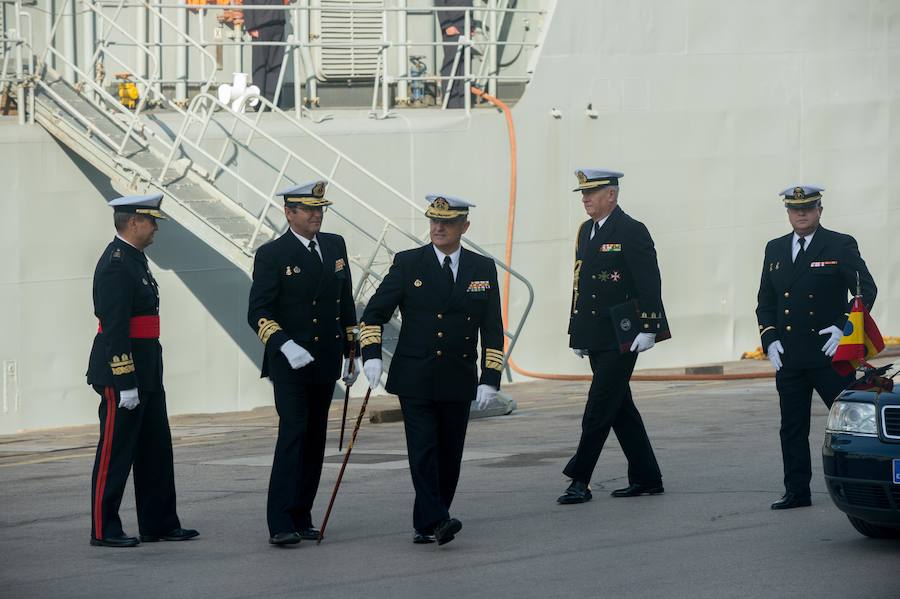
[(610, 405), (795, 387), (299, 451), (456, 91), (138, 438), (435, 436), (266, 61)]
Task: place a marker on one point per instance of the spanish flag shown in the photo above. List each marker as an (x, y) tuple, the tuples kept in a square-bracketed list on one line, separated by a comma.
[(861, 340)]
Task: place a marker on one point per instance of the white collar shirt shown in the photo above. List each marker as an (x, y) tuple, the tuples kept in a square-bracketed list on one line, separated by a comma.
[(454, 259)]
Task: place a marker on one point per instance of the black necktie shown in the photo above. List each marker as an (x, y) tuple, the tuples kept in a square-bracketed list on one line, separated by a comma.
[(597, 229), (312, 250), (802, 252), (448, 271)]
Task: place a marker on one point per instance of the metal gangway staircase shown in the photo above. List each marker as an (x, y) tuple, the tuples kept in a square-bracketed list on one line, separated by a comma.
[(208, 190)]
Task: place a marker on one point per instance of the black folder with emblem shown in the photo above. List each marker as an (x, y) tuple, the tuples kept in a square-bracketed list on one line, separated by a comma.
[(626, 320)]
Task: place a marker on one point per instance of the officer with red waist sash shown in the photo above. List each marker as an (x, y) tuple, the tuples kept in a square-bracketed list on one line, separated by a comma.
[(126, 371)]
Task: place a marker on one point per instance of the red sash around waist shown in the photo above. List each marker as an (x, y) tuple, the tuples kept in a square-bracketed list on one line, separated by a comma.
[(140, 327)]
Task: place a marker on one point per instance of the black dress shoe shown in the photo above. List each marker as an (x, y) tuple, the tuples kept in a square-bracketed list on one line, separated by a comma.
[(121, 541), (176, 534), (423, 538), (637, 490), (309, 534), (792, 500), (578, 492), (446, 531), (285, 538)]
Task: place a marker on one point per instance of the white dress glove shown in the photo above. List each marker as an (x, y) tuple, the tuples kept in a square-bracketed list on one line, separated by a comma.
[(296, 355), (373, 368), (831, 345), (643, 342), (349, 375), (128, 399), (775, 350), (580, 352), (485, 395)]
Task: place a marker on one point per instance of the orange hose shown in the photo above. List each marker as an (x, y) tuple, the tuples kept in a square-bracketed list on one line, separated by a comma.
[(510, 226)]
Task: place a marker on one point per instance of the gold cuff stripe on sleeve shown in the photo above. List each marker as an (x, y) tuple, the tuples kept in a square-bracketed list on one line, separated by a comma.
[(266, 329), (493, 353), (123, 364), (494, 365), (763, 332), (370, 341)]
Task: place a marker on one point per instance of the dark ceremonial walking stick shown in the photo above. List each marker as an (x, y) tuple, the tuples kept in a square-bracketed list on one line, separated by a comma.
[(337, 483), (347, 394)]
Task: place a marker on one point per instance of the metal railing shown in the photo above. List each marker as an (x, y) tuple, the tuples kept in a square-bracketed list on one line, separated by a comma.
[(14, 43), (193, 141), (157, 47), (194, 147)]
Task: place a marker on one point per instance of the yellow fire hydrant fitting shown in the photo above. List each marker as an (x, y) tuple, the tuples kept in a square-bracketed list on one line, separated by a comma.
[(128, 91)]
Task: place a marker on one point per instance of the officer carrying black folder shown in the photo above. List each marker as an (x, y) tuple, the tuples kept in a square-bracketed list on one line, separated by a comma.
[(616, 273)]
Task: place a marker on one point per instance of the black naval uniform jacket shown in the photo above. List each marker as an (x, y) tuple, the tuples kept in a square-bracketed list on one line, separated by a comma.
[(124, 288), (293, 298), (256, 19), (450, 18), (797, 300), (436, 354), (618, 265)]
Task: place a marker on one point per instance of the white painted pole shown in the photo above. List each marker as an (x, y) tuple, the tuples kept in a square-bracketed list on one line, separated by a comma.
[(402, 54)]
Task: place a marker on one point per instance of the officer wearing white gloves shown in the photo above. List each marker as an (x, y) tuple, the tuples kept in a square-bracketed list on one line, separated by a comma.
[(448, 298), (350, 370), (126, 370), (129, 399), (301, 307), (615, 262), (803, 301)]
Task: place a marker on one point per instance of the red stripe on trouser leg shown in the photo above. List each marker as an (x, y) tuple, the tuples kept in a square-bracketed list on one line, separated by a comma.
[(110, 396)]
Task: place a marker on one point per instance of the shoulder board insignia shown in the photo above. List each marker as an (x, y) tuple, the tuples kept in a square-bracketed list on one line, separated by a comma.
[(116, 256)]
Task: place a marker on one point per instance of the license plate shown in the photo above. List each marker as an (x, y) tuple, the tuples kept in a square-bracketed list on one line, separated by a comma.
[(897, 472)]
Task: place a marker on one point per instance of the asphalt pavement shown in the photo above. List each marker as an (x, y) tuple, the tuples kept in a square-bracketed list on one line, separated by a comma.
[(711, 535)]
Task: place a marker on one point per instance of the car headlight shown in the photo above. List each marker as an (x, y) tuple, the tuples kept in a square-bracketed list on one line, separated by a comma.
[(852, 417)]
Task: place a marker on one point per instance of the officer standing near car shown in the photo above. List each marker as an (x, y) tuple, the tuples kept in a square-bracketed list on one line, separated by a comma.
[(301, 307), (615, 261), (447, 296), (126, 370), (802, 308)]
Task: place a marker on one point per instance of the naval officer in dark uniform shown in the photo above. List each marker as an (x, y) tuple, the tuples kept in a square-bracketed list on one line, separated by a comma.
[(301, 307), (453, 23), (447, 296), (615, 262), (126, 370), (803, 303)]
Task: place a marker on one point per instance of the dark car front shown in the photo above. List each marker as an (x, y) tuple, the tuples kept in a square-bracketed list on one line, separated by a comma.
[(862, 458)]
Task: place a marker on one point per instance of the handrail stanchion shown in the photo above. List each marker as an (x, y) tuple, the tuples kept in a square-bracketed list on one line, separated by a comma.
[(181, 60), (467, 64), (402, 52)]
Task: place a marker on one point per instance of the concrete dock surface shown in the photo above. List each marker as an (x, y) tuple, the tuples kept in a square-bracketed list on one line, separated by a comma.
[(711, 535)]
